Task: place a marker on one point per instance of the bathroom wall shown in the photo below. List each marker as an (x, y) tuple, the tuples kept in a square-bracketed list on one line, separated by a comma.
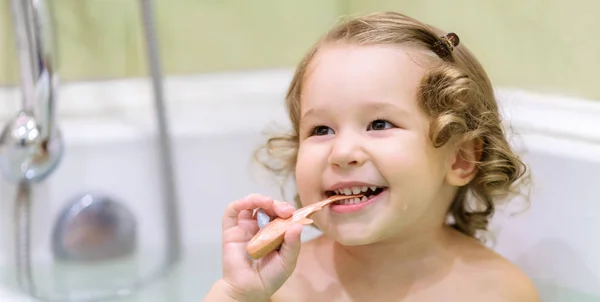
[(100, 39), (542, 45)]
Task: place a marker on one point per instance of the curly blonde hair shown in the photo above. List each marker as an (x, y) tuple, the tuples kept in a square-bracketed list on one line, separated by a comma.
[(455, 92)]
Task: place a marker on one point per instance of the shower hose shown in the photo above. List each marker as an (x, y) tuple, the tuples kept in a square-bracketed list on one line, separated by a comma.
[(23, 196)]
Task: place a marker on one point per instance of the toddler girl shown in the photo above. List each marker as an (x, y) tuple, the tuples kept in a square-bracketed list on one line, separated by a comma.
[(391, 108)]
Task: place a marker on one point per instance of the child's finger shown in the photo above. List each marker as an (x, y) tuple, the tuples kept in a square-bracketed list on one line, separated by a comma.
[(280, 209), (290, 249), (283, 209), (233, 210)]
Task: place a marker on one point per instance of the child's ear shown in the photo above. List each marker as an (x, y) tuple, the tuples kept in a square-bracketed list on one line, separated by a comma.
[(463, 163)]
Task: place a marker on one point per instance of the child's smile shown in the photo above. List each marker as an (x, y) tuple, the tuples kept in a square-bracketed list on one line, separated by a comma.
[(370, 194)]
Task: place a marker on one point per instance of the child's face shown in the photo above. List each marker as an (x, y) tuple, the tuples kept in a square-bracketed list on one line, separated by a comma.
[(360, 122)]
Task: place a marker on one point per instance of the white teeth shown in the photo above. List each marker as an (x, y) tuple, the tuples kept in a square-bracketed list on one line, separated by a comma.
[(364, 198), (354, 200), (355, 190)]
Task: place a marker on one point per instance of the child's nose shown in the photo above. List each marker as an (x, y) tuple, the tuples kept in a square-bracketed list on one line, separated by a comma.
[(347, 153)]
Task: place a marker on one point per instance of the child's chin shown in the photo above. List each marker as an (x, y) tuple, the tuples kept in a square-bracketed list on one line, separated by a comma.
[(354, 241), (354, 238)]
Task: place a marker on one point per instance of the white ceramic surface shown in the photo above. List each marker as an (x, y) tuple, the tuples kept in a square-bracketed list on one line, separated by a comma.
[(217, 121)]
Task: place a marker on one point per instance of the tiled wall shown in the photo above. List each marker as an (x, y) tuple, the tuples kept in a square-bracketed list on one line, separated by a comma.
[(545, 45)]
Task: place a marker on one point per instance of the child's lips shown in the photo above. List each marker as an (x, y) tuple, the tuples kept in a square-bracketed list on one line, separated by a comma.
[(355, 205)]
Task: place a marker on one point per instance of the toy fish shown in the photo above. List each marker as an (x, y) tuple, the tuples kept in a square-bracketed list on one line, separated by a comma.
[(271, 236)]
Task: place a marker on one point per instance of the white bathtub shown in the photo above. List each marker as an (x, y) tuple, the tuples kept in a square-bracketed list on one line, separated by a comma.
[(217, 121)]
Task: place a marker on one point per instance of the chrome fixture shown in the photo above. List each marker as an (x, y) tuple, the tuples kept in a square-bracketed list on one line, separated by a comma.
[(31, 148), (92, 228), (30, 144)]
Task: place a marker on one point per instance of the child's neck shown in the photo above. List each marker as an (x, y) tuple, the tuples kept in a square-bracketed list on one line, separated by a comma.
[(424, 255)]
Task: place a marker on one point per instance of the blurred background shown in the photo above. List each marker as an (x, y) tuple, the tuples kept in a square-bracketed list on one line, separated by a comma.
[(226, 66), (543, 44)]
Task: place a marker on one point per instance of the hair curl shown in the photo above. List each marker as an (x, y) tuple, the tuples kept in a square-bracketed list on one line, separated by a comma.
[(455, 92)]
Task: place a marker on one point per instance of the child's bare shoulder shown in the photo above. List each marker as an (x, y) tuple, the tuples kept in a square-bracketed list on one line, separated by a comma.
[(493, 275), (477, 273)]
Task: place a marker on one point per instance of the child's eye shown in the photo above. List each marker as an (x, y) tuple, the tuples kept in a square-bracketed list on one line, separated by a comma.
[(380, 125), (322, 130)]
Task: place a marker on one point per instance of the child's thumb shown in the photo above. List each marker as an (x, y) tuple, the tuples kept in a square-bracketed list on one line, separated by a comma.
[(290, 249)]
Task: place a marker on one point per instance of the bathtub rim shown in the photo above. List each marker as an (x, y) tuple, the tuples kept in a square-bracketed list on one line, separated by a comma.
[(551, 123), (120, 109)]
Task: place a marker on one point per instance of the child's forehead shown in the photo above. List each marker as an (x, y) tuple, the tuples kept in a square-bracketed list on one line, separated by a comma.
[(347, 64), (355, 55), (349, 72)]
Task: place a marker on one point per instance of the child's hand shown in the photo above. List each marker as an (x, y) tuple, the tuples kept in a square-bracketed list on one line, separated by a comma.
[(250, 280)]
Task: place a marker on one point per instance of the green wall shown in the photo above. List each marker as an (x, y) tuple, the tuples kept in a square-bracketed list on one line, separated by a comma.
[(103, 38), (545, 45)]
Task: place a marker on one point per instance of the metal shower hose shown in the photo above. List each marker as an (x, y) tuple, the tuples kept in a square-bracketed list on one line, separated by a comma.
[(23, 197)]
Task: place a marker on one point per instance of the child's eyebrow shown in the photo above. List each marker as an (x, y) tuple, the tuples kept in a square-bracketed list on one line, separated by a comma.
[(386, 106), (369, 107)]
